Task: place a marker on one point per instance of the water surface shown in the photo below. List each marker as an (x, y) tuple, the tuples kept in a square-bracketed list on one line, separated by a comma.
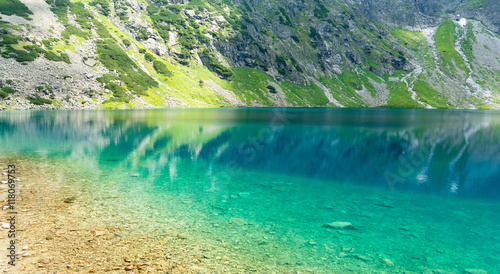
[(420, 187)]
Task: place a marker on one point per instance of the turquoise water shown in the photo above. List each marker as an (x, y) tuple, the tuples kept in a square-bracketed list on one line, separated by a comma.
[(420, 187)]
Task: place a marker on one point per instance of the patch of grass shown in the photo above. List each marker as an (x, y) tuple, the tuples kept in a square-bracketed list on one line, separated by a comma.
[(126, 42), (400, 96), (345, 94), (9, 90), (200, 4), (118, 92), (15, 7), (161, 68), (321, 12), (271, 89), (115, 59), (3, 94), (214, 65), (429, 95), (149, 57), (313, 34), (311, 95), (409, 38), (445, 41), (102, 6), (39, 101), (351, 80), (468, 42), (83, 17), (21, 55), (54, 57)]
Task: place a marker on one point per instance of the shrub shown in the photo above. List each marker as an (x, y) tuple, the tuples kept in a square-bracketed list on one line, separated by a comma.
[(314, 34), (321, 12), (126, 42), (39, 101), (215, 66), (104, 6), (161, 68), (15, 7), (8, 90), (271, 89), (114, 58), (149, 57), (3, 94)]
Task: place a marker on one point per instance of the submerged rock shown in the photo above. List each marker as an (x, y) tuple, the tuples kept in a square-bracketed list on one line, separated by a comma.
[(475, 271), (339, 225), (388, 262), (238, 221), (69, 200), (244, 194), (182, 236), (362, 258)]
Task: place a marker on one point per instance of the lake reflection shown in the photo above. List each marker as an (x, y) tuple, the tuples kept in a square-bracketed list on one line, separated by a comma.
[(449, 152)]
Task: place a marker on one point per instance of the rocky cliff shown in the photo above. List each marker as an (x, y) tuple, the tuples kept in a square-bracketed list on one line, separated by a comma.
[(200, 53)]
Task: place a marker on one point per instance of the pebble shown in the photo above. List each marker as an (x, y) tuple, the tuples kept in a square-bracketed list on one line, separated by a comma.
[(100, 233), (362, 258), (339, 225), (238, 221), (366, 215), (4, 182), (244, 194), (25, 248), (5, 225), (384, 205), (388, 262), (347, 249), (3, 173), (182, 236), (129, 267), (127, 259), (475, 271)]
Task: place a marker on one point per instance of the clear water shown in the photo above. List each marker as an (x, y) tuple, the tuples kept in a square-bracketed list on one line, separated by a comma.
[(420, 187)]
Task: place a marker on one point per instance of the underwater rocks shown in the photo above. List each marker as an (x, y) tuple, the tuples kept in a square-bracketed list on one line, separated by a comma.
[(387, 262), (475, 271), (339, 225), (238, 221)]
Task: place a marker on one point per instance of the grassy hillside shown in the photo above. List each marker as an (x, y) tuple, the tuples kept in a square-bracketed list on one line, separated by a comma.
[(223, 53)]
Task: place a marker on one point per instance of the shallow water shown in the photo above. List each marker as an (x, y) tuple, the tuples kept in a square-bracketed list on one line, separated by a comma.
[(420, 187)]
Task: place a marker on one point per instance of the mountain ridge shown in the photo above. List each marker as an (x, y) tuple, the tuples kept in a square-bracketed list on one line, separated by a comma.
[(138, 54)]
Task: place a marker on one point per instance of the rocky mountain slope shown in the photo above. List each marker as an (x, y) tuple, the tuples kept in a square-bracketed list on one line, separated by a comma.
[(206, 53)]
